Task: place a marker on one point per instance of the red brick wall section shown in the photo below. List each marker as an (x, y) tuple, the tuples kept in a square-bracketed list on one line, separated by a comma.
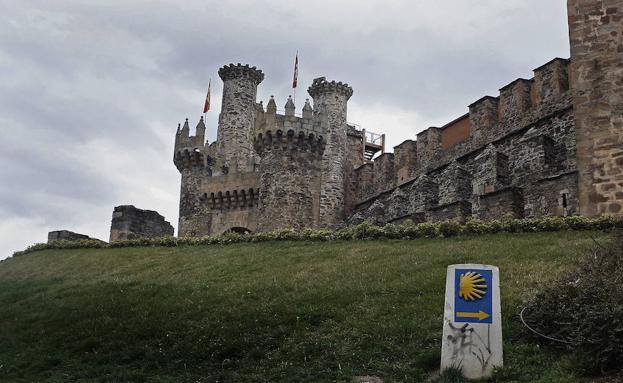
[(456, 132)]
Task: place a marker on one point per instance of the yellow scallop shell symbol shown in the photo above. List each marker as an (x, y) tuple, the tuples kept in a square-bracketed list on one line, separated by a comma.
[(472, 286)]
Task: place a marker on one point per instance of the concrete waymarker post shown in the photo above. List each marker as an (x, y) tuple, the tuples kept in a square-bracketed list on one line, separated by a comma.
[(472, 323)]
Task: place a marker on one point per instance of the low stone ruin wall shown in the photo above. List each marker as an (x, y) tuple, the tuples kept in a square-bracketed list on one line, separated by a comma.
[(129, 222)]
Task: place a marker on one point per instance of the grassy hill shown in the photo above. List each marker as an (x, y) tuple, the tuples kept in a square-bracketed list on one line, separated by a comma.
[(269, 312)]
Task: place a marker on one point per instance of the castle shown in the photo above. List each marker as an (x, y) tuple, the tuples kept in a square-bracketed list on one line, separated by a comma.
[(549, 145)]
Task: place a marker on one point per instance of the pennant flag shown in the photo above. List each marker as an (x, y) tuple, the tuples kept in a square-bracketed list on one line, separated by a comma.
[(206, 106), (296, 70)]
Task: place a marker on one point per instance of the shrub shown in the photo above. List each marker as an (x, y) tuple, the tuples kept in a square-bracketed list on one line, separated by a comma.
[(449, 228), (366, 230), (426, 230), (584, 310)]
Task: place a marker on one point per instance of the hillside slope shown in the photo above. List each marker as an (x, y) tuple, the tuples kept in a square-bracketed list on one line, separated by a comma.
[(278, 311)]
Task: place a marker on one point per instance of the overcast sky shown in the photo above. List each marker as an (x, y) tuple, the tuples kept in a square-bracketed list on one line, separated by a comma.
[(91, 92)]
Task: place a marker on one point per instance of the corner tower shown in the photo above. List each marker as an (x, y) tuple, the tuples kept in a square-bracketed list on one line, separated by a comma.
[(236, 121), (596, 39), (330, 107), (191, 158)]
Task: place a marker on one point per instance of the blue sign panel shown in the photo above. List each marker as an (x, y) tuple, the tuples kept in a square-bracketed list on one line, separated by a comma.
[(473, 299)]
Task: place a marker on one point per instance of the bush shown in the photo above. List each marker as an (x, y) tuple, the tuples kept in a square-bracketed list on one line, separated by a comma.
[(365, 230), (449, 228), (584, 309)]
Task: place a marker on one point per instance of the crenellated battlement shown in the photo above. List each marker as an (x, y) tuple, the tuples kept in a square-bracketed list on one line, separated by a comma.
[(183, 139), (231, 72), (302, 142), (270, 120), (190, 158), (322, 86), (191, 151), (521, 104)]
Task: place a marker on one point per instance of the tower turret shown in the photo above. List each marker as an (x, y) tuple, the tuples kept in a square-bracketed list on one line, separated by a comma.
[(200, 134), (289, 107), (237, 118), (191, 159), (307, 109), (185, 129), (272, 106), (330, 99)]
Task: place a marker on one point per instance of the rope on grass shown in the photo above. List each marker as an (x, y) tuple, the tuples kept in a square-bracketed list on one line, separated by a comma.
[(540, 334)]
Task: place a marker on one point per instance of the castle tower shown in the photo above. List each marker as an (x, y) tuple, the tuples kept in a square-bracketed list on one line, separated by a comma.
[(237, 118), (191, 159), (330, 99), (290, 171), (596, 37)]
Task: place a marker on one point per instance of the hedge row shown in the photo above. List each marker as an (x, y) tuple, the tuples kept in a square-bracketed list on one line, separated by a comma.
[(406, 230)]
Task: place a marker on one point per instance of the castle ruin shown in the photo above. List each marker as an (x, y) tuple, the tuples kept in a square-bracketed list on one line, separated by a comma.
[(549, 145)]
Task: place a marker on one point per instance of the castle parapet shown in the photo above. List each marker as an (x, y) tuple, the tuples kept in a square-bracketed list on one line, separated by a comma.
[(190, 159), (183, 139), (405, 160), (551, 80), (515, 99), (231, 72), (189, 150), (321, 86), (483, 115), (270, 121), (428, 144), (300, 142)]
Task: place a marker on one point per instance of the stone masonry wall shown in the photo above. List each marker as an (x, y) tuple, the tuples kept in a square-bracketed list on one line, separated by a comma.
[(549, 145), (354, 159), (596, 35), (524, 140), (290, 171), (65, 235), (129, 222)]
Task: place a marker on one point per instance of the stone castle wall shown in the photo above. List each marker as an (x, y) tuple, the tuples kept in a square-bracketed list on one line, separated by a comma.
[(520, 143), (596, 34), (66, 235), (290, 171), (549, 145)]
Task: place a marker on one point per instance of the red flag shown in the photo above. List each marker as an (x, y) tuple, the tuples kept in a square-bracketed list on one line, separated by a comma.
[(206, 106), (296, 70)]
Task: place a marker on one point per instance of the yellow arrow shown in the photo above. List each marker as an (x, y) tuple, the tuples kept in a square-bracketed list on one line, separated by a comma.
[(481, 315)]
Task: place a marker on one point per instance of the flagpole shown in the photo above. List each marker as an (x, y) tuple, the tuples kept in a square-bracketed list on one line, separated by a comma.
[(296, 66), (207, 102)]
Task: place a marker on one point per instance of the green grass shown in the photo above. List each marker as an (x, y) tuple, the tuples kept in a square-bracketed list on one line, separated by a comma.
[(269, 312)]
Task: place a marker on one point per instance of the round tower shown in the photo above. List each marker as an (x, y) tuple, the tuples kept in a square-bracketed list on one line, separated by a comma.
[(290, 170), (330, 99), (237, 118)]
